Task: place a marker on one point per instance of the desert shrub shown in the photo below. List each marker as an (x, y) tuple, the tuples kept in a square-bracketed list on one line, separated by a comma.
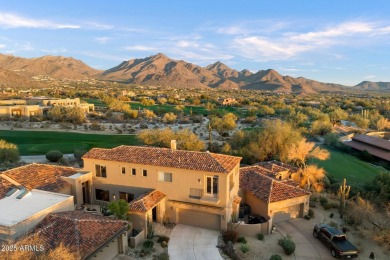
[(311, 213), (230, 235), (275, 257), (147, 246), (260, 236), (163, 256), (307, 217), (228, 249), (241, 240), (331, 215), (323, 201), (9, 152), (54, 155), (327, 206), (383, 238), (244, 248), (287, 244), (163, 238)]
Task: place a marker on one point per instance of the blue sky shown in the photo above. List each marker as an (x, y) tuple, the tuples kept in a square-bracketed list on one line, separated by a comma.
[(335, 41)]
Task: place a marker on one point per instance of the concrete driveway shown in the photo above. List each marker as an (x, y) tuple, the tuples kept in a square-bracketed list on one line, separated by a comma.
[(193, 243), (307, 247)]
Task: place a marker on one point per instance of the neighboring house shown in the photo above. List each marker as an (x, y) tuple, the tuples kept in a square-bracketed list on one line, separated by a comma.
[(227, 101), (88, 236), (38, 106), (167, 185), (32, 191), (274, 199), (58, 179), (375, 146), (21, 210)]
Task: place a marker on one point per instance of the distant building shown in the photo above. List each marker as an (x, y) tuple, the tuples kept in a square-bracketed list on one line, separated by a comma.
[(377, 147), (227, 101), (37, 106)]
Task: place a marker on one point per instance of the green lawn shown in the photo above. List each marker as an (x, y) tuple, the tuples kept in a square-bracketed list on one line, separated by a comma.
[(341, 165), (36, 142), (187, 109), (95, 101)]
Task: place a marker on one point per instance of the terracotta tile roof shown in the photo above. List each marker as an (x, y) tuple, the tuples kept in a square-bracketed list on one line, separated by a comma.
[(266, 188), (5, 187), (146, 201), (277, 166), (41, 176), (201, 161), (84, 233)]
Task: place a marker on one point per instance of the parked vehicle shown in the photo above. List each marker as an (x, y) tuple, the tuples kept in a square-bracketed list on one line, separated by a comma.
[(335, 240)]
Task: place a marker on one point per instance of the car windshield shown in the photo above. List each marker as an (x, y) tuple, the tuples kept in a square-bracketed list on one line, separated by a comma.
[(339, 238)]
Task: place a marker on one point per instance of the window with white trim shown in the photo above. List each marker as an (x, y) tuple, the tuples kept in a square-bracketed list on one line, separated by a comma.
[(212, 185), (165, 176), (101, 171)]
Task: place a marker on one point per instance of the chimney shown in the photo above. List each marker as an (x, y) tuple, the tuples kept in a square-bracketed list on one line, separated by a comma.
[(173, 145)]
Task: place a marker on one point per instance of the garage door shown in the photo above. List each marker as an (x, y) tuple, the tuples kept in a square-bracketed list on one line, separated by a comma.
[(199, 219), (286, 214)]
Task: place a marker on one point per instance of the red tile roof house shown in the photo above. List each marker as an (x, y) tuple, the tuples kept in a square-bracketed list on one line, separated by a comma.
[(275, 199), (31, 193), (88, 236), (167, 185)]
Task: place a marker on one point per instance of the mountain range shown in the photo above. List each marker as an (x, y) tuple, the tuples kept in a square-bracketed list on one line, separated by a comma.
[(160, 70)]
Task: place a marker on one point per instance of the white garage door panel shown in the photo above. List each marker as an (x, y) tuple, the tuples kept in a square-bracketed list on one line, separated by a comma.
[(286, 214), (199, 219)]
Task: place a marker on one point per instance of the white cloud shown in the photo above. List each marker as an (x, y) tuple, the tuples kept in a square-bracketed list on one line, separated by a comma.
[(370, 76), (330, 35), (8, 20), (55, 51), (102, 40), (104, 56), (263, 49), (187, 44), (139, 48), (98, 26), (2, 46)]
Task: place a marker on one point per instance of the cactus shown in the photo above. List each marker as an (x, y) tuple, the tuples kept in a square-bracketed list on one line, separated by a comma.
[(343, 195), (149, 228)]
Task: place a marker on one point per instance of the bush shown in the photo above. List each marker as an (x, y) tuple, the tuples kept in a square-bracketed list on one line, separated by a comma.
[(163, 238), (311, 213), (331, 215), (241, 240), (9, 152), (323, 201), (307, 217), (54, 155), (287, 244), (163, 256), (275, 257), (230, 235), (244, 248), (260, 236), (147, 247), (327, 206)]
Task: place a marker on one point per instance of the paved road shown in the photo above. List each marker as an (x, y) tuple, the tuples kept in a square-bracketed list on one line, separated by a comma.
[(193, 243), (307, 247)]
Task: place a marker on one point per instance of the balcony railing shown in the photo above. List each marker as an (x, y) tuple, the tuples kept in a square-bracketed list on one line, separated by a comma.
[(196, 193)]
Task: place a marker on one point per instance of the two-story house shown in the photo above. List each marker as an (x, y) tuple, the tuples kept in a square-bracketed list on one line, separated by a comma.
[(167, 185)]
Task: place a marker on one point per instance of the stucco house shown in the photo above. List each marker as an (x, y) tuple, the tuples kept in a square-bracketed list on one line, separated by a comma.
[(167, 185), (40, 199), (88, 236), (276, 199), (38, 106)]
